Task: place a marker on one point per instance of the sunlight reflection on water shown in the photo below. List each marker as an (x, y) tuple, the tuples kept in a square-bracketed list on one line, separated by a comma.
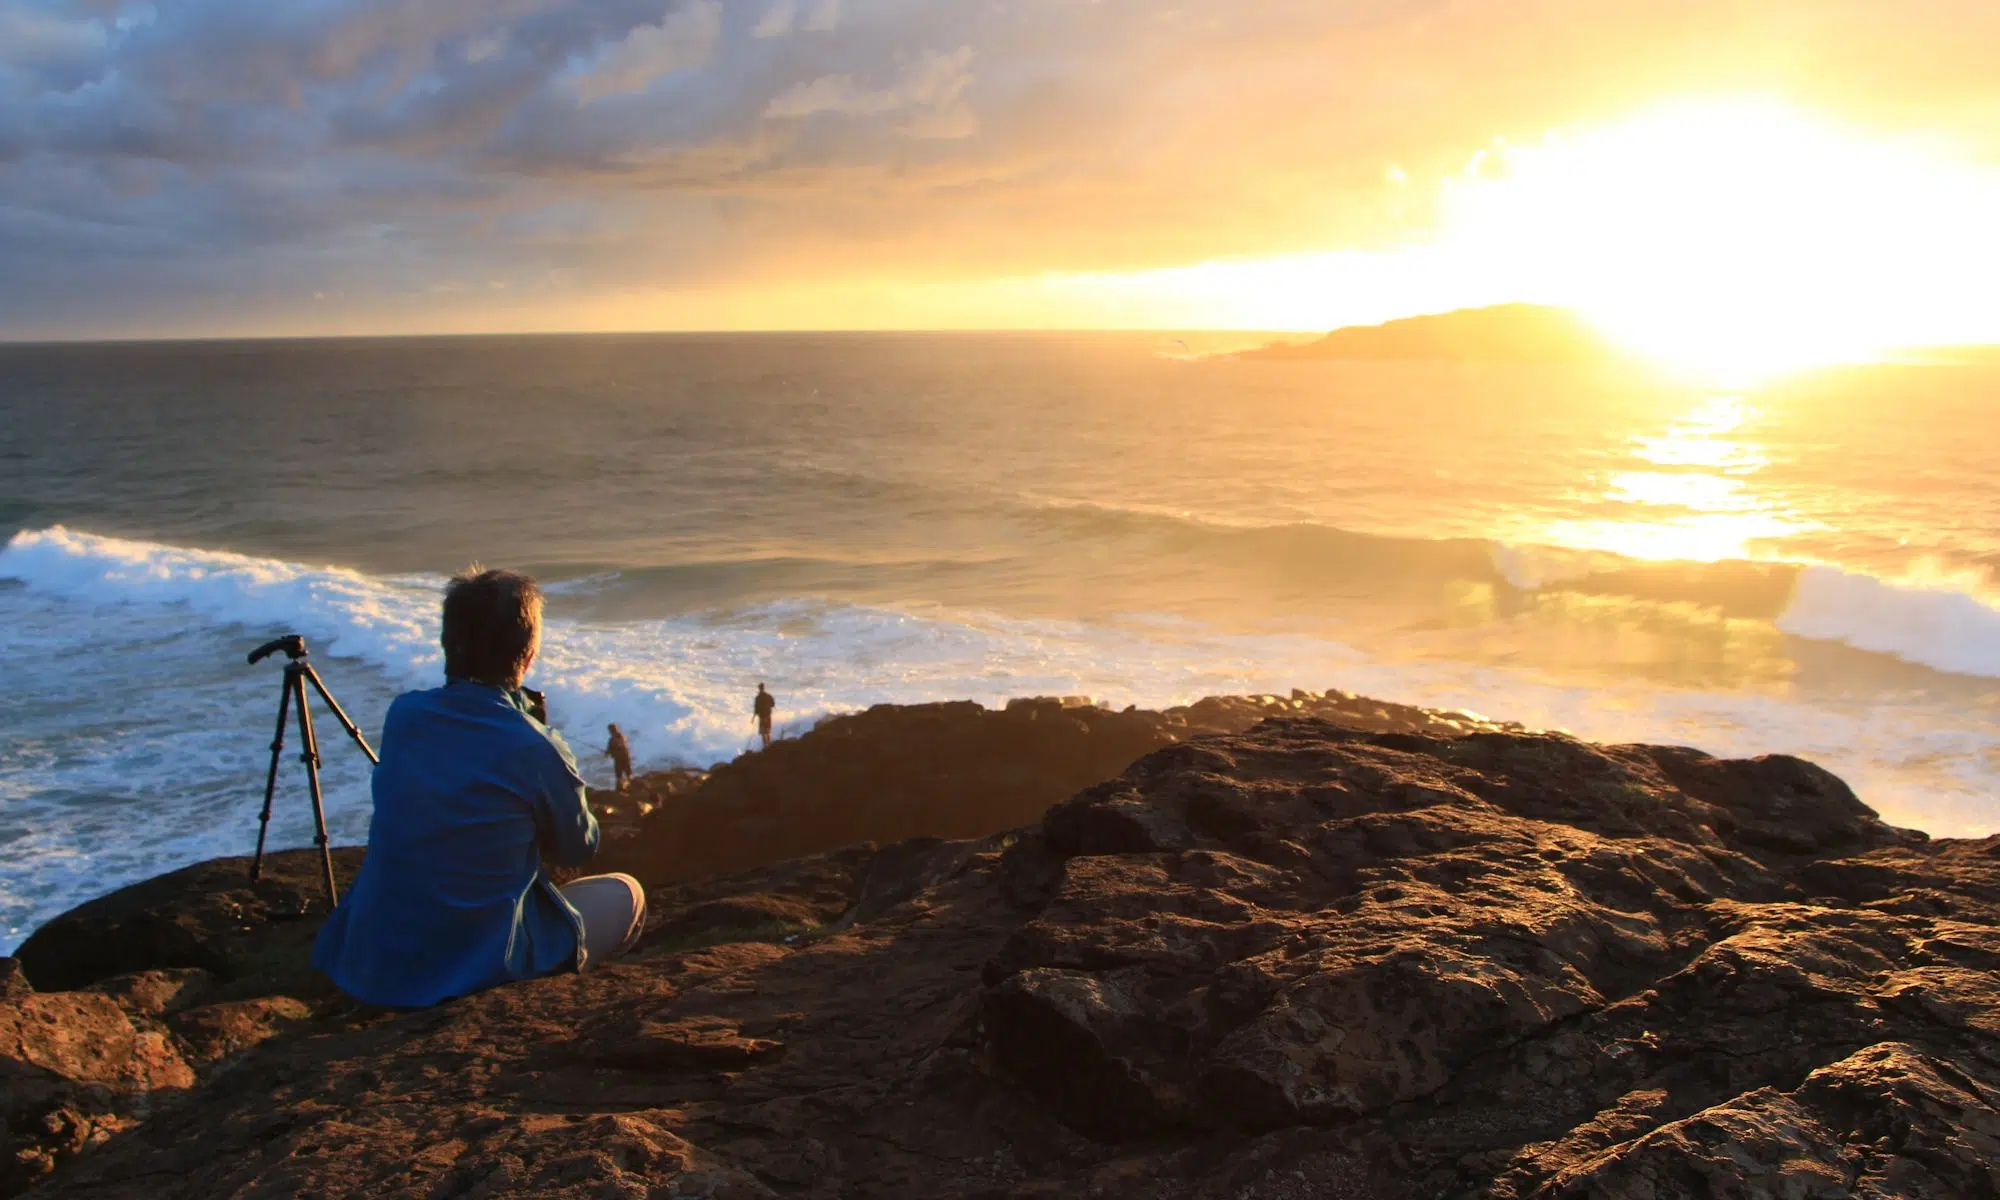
[(1695, 498)]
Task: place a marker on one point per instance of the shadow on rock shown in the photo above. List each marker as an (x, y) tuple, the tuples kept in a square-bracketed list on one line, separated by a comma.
[(1302, 959)]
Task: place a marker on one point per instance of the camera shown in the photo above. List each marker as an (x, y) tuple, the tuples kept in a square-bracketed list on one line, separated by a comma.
[(538, 705)]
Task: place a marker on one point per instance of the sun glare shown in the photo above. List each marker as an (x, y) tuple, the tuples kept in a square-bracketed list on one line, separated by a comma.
[(1740, 237), (1731, 239)]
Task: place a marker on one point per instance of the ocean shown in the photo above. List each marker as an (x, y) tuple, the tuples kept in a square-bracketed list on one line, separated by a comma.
[(1803, 566)]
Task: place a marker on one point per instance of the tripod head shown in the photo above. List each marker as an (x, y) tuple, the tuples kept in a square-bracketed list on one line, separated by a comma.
[(292, 644)]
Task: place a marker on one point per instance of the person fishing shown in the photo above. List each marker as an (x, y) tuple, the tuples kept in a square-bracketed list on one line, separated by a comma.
[(475, 799), (620, 751), (762, 708)]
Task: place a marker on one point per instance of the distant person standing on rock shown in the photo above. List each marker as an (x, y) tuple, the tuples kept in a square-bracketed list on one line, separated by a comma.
[(765, 705), (475, 799), (621, 757)]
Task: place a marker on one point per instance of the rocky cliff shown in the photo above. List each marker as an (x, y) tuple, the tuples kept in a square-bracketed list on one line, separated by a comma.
[(1304, 959), (928, 770)]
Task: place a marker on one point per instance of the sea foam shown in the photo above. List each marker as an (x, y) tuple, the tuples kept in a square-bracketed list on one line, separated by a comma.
[(680, 686), (358, 616), (1936, 624), (135, 736)]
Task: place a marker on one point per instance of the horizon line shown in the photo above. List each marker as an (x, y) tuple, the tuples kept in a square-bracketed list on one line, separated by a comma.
[(990, 331), (1164, 330)]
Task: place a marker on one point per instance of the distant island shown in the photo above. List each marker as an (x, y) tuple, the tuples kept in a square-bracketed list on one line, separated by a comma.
[(1503, 332), (1525, 333)]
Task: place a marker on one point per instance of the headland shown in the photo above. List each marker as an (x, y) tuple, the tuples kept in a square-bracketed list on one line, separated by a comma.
[(1528, 333), (1301, 946)]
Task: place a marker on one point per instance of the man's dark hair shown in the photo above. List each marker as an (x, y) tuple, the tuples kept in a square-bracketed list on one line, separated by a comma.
[(490, 622)]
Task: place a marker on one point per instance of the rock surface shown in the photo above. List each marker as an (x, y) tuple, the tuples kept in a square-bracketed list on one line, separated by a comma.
[(1302, 960), (174, 979), (927, 770), (255, 936)]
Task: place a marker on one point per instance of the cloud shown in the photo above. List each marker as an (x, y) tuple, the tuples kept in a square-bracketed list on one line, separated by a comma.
[(783, 17), (777, 21), (210, 164), (58, 53), (825, 17), (946, 124), (681, 40), (934, 81), (832, 94)]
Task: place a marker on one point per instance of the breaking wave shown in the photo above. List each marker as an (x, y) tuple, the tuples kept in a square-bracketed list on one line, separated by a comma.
[(137, 735), (1939, 625)]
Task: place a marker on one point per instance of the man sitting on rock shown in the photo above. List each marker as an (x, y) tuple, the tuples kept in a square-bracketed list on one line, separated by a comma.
[(474, 798)]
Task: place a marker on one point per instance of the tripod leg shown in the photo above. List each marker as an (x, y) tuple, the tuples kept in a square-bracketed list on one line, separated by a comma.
[(271, 780), (312, 782), (339, 713)]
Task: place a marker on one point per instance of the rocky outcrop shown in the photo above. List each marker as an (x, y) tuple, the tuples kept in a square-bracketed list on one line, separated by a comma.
[(1302, 960), (928, 770), (1305, 927), (74, 1069), (256, 938), (78, 1067), (147, 991)]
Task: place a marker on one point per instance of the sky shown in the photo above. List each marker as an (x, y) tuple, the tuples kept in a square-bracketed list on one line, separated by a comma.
[(212, 168)]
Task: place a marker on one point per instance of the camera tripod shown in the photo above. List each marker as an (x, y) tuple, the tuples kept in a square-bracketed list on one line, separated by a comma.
[(298, 672)]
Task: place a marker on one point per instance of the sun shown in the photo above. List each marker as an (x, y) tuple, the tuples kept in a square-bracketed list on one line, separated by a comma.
[(1729, 238), (1738, 237)]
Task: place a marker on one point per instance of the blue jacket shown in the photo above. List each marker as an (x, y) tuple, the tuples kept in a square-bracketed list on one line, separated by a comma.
[(472, 796)]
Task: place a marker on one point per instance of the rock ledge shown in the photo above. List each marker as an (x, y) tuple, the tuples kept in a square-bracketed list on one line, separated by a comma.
[(1299, 959)]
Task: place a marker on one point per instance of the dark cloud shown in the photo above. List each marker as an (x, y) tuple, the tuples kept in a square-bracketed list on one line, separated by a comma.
[(206, 162)]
